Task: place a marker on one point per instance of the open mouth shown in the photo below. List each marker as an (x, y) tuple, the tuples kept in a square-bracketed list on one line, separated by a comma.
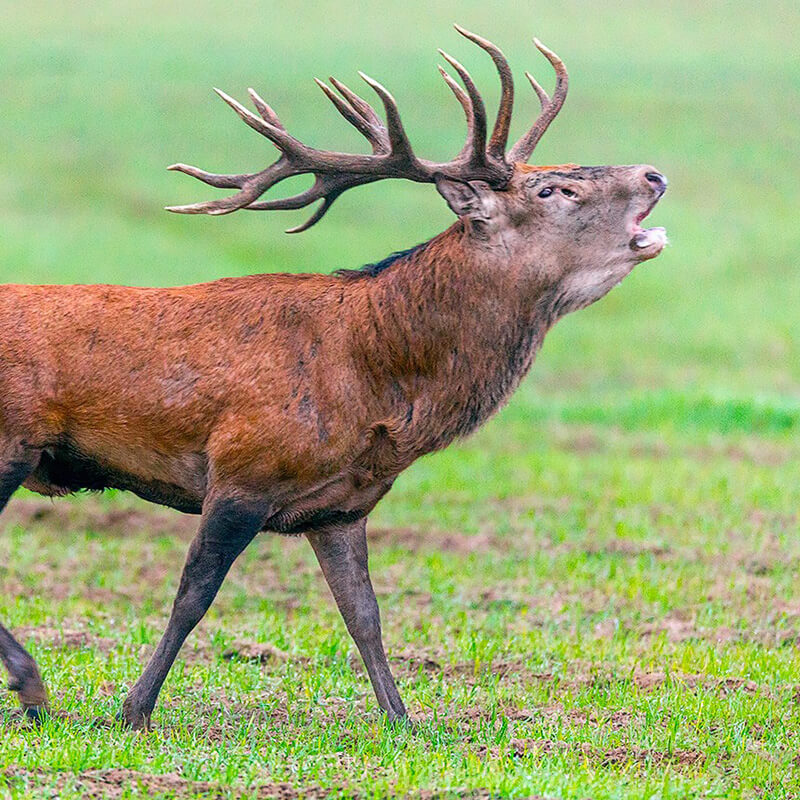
[(652, 240)]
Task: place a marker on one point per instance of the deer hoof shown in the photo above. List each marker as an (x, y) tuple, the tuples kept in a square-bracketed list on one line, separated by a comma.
[(401, 722), (133, 719), (36, 714)]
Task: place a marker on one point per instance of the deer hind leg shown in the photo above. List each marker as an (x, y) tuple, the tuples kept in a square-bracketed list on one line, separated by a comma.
[(16, 464), (342, 554)]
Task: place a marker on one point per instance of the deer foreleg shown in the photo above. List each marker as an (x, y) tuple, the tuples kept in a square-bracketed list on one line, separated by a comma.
[(227, 527)]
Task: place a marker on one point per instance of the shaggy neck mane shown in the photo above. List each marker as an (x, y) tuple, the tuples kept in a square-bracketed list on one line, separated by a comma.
[(373, 270), (447, 333)]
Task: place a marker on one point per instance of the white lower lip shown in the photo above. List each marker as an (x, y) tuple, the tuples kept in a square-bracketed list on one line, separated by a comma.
[(650, 237)]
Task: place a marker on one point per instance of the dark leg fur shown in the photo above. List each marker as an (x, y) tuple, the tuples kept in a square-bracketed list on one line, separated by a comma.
[(342, 554), (227, 527), (24, 678)]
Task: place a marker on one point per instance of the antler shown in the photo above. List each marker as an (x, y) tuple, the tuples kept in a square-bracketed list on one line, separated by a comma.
[(392, 155), (526, 144)]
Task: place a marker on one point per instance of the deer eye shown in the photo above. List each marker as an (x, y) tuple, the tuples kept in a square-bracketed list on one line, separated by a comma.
[(546, 192), (568, 193)]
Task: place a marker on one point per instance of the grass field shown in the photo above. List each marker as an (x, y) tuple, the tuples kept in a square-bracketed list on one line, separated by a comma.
[(596, 596)]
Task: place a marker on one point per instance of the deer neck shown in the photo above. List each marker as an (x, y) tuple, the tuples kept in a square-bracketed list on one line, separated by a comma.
[(451, 330)]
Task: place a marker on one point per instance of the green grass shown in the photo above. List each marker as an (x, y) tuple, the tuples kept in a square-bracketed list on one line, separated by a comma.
[(597, 595)]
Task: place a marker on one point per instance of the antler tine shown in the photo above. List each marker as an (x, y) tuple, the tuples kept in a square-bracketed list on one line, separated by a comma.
[(277, 135), (211, 178), (264, 108), (522, 150), (394, 125), (544, 98), (360, 105), (478, 124), (499, 138), (461, 95), (302, 199), (252, 187), (466, 104), (318, 191), (326, 188), (355, 119), (324, 206)]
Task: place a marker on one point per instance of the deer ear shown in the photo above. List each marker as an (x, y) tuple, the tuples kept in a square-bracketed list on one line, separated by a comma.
[(466, 199)]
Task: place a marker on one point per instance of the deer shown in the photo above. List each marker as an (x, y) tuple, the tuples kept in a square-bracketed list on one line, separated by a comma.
[(290, 403)]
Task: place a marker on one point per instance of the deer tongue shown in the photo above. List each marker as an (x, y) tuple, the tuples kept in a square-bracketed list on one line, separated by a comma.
[(648, 238)]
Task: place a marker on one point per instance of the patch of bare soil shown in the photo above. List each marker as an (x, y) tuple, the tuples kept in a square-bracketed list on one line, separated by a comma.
[(626, 547), (555, 712), (654, 680), (521, 747), (627, 755), (758, 452), (91, 513), (616, 720), (488, 541), (775, 521), (581, 440), (675, 628), (64, 638), (448, 542), (518, 748), (682, 626), (113, 783), (409, 663), (255, 651)]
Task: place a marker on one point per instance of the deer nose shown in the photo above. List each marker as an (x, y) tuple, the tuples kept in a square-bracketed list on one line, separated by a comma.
[(657, 181)]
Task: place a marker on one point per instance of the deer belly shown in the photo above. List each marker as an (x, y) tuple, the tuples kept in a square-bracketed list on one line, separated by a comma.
[(177, 481)]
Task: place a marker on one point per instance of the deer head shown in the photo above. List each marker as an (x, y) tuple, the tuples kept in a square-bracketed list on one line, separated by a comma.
[(574, 228)]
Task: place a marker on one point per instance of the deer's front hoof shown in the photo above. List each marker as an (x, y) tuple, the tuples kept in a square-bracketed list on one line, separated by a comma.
[(133, 717)]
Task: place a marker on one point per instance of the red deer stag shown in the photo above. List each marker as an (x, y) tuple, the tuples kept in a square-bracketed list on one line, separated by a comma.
[(290, 403)]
